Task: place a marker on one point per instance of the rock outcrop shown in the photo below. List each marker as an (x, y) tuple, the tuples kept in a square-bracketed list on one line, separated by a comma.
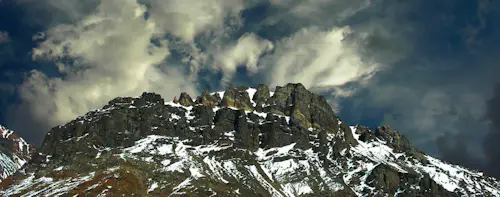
[(399, 143), (395, 182), (14, 152)]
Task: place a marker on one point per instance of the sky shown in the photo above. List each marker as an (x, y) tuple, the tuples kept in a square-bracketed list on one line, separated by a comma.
[(427, 68)]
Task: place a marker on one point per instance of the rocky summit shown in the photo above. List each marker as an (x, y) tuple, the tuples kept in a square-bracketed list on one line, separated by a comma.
[(240, 142)]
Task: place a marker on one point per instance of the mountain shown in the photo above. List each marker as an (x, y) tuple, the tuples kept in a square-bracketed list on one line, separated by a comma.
[(241, 142), (14, 152)]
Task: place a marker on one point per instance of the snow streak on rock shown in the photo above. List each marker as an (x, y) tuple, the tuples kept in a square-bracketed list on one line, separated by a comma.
[(14, 152)]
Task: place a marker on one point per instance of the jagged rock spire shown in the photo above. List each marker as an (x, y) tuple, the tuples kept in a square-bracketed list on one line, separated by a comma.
[(208, 100), (186, 100), (260, 97), (238, 98)]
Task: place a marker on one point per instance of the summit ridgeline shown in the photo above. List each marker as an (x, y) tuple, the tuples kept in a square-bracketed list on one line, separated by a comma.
[(289, 115), (239, 142)]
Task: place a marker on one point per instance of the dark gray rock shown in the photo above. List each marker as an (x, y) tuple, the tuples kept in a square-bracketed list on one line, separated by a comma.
[(323, 143), (301, 137), (384, 177), (322, 114), (365, 134), (246, 135), (387, 179), (204, 116), (224, 120), (399, 142), (260, 97), (237, 98), (208, 100), (186, 100), (273, 134), (347, 132), (395, 140), (277, 103)]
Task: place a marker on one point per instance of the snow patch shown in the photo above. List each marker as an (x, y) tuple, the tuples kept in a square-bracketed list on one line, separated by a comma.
[(152, 187), (251, 93)]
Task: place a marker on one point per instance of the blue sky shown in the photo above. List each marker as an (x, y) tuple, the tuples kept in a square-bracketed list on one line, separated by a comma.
[(427, 68)]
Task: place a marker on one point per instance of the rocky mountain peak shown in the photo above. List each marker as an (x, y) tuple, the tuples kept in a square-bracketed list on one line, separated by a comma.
[(238, 142), (288, 115), (186, 100)]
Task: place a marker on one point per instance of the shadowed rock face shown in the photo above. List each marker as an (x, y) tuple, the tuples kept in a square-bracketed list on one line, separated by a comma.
[(383, 176), (290, 113), (242, 142), (261, 96)]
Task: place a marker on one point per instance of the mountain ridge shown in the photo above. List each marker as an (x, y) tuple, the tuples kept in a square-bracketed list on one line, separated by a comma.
[(239, 142)]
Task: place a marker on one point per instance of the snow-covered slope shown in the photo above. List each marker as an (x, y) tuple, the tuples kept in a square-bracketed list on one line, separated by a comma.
[(14, 152), (451, 177), (159, 164)]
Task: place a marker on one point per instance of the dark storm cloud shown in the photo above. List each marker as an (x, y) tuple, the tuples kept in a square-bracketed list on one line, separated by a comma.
[(472, 31), (454, 148), (436, 92), (491, 143), (480, 38), (6, 50)]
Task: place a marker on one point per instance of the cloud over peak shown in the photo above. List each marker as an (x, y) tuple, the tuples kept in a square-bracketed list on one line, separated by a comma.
[(114, 48), (245, 52), (319, 58)]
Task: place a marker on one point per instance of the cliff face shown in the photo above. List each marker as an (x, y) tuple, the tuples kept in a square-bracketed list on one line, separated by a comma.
[(290, 115), (241, 142), (14, 152)]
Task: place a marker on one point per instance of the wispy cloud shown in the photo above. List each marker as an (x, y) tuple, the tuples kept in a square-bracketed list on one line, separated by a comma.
[(107, 54), (4, 37), (245, 52)]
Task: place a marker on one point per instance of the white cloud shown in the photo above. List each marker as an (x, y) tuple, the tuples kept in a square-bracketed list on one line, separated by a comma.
[(339, 46), (245, 52), (187, 18), (319, 59), (4, 37), (325, 13), (107, 51), (111, 55)]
